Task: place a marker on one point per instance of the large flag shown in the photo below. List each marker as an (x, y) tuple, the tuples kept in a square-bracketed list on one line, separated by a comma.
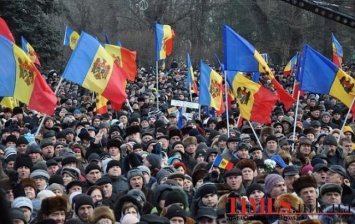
[(334, 81), (71, 37), (190, 75), (20, 78), (222, 163), (125, 59), (164, 36), (5, 31), (93, 68), (291, 65), (240, 55), (255, 101), (28, 49), (337, 51), (101, 104), (211, 88)]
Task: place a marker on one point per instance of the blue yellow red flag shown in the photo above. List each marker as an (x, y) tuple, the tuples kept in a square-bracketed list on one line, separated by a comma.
[(5, 31), (241, 56), (164, 36), (28, 49), (291, 65), (71, 37), (222, 163), (334, 81), (255, 101), (93, 68), (211, 88), (337, 51), (101, 104), (8, 102), (20, 78), (190, 75)]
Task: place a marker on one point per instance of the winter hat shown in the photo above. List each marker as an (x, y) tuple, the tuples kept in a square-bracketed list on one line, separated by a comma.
[(33, 148), (154, 160), (114, 143), (73, 221), (138, 194), (144, 169), (129, 219), (103, 180), (246, 163), (20, 202), (46, 142), (349, 160), (40, 165), (16, 213), (111, 164), (304, 182), (329, 187), (133, 173), (55, 186), (30, 137), (56, 179), (21, 140), (10, 138), (271, 180), (176, 196), (172, 159), (40, 173), (82, 199), (23, 160), (306, 169), (253, 187), (28, 182), (330, 140), (103, 212), (10, 158), (316, 160), (69, 159), (161, 174), (53, 204), (271, 138), (204, 189), (176, 211), (279, 161), (71, 171), (91, 167), (10, 151), (294, 201), (43, 194)]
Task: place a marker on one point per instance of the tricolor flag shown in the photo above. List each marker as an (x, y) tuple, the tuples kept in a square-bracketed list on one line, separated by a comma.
[(71, 37), (190, 75), (240, 55), (211, 88), (164, 36), (93, 68), (334, 80), (222, 163), (20, 79), (31, 53), (8, 102), (255, 101), (125, 59), (5, 31), (101, 104), (291, 65), (337, 51)]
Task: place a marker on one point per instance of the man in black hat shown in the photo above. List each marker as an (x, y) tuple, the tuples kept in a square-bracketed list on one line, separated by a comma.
[(332, 151), (106, 184), (47, 149), (232, 143), (206, 215), (233, 179), (320, 173), (290, 174), (83, 207), (114, 172), (172, 119), (330, 194)]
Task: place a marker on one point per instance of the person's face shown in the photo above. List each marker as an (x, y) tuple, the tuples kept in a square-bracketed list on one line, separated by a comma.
[(310, 136), (52, 169), (243, 153), (247, 174), (58, 216), (10, 165), (257, 154), (222, 144), (257, 195), (305, 149), (286, 147), (70, 137), (136, 182), (11, 144), (96, 195), (279, 128), (30, 192), (234, 182), (49, 123), (223, 131), (114, 151), (176, 220), (85, 212), (180, 169), (351, 169), (9, 195), (315, 113), (331, 198), (35, 157), (289, 181), (334, 178), (278, 189), (348, 147), (22, 148), (75, 188), (146, 138), (212, 157), (93, 176), (123, 119), (174, 139), (107, 189), (210, 200), (114, 171), (131, 210), (57, 192), (23, 172), (48, 151), (271, 146), (187, 185), (180, 181), (41, 183), (309, 196), (332, 150), (27, 212), (320, 176), (179, 147), (232, 146), (200, 159), (205, 220), (191, 149), (326, 119)]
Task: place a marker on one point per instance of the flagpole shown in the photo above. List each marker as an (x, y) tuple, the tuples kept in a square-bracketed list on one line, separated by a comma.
[(226, 100), (44, 117), (129, 106), (344, 123), (294, 124), (239, 117), (190, 92), (256, 136), (157, 91)]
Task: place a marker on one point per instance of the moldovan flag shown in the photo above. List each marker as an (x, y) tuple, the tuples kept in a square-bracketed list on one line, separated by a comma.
[(211, 88), (337, 51), (94, 69), (255, 101), (291, 65), (125, 59), (222, 163), (31, 53), (101, 104), (7, 102), (5, 31), (240, 55), (20, 78), (71, 37), (333, 81), (190, 75), (164, 36)]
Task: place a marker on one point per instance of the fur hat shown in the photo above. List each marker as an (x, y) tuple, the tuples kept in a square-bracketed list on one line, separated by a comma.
[(102, 212), (304, 182), (53, 204), (349, 160), (267, 131), (190, 140), (305, 141), (310, 221), (5, 183), (175, 132), (294, 201), (114, 143), (246, 163), (221, 124), (132, 130), (198, 175), (28, 182)]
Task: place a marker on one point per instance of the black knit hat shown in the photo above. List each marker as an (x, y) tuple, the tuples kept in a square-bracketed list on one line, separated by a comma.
[(11, 138), (69, 159), (176, 211), (82, 199), (46, 142), (154, 160), (271, 138), (23, 160), (204, 189), (253, 187), (91, 167), (176, 196), (111, 164), (55, 179), (103, 180), (21, 140)]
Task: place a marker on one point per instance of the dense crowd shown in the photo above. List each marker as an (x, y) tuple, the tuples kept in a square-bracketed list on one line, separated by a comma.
[(136, 166)]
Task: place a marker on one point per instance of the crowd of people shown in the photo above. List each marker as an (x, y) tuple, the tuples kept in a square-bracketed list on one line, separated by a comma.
[(136, 166)]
